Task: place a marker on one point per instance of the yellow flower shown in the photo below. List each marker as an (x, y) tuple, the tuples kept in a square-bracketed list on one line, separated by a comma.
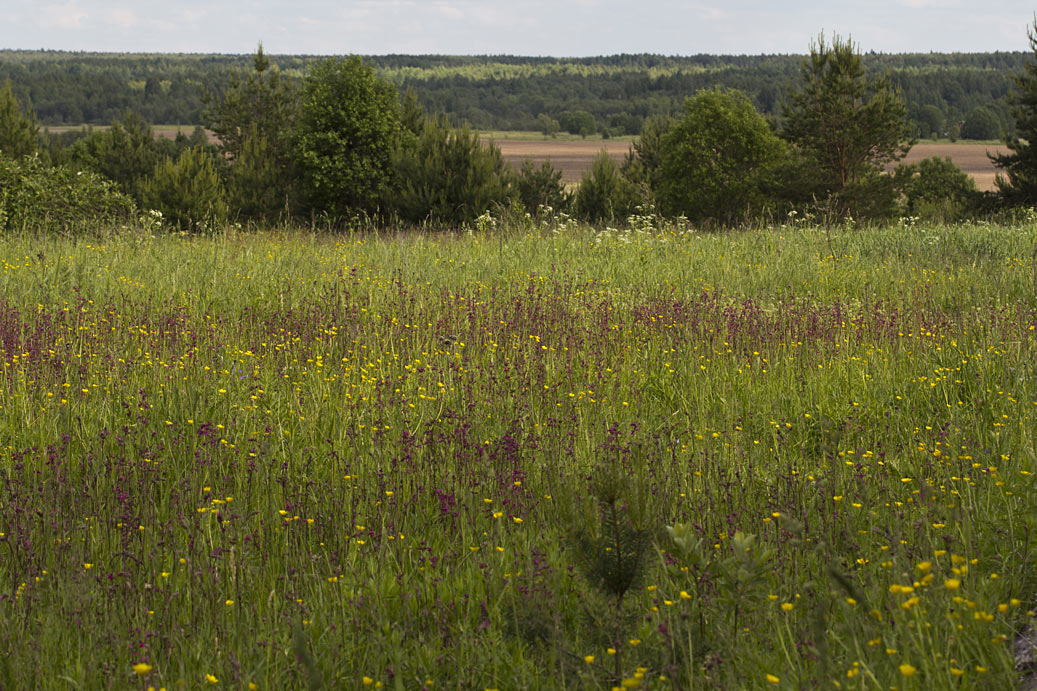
[(924, 566), (588, 659), (771, 679), (787, 606), (142, 668), (367, 681), (252, 686), (907, 670), (951, 584), (211, 679)]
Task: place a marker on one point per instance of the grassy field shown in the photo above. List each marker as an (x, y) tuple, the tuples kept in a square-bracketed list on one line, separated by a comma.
[(543, 458)]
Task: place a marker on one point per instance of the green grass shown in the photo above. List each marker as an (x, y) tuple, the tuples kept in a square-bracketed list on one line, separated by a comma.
[(777, 458)]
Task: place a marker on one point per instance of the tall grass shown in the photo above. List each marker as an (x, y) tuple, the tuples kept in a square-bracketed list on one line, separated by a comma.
[(291, 460)]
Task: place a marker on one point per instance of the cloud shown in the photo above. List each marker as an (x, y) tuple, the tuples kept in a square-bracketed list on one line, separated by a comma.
[(67, 16), (124, 19)]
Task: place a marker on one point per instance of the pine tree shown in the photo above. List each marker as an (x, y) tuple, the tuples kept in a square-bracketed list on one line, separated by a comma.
[(1018, 186), (18, 129)]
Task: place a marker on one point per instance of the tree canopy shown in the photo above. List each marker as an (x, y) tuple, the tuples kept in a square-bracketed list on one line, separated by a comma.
[(345, 135)]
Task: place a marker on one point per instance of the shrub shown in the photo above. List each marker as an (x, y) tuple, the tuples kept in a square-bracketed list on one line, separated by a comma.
[(448, 177), (187, 191), (35, 197), (716, 159), (934, 189), (604, 193), (540, 186)]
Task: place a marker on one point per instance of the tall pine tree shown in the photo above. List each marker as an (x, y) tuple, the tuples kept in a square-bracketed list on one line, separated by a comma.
[(1018, 185)]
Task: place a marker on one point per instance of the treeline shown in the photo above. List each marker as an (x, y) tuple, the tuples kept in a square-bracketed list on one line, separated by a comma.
[(947, 95), (340, 147)]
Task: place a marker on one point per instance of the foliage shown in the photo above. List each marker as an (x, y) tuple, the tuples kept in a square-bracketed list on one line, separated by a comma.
[(252, 121), (346, 132), (716, 159), (1018, 185), (125, 153), (18, 129), (447, 176), (604, 193), (39, 198), (981, 123), (850, 124), (578, 122), (548, 125), (934, 190), (188, 191), (540, 187), (645, 158)]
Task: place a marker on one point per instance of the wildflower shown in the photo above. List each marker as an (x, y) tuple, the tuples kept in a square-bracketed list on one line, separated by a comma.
[(367, 681), (588, 659), (787, 606), (908, 670), (924, 566), (142, 668), (771, 679), (211, 679), (951, 583)]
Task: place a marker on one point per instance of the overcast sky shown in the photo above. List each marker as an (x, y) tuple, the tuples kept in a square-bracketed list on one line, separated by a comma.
[(517, 27)]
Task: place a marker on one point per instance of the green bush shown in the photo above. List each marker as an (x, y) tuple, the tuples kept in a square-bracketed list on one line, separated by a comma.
[(448, 177), (604, 193), (540, 187), (34, 197), (716, 159), (187, 191), (934, 189)]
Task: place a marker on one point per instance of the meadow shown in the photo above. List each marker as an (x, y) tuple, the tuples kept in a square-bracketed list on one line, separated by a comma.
[(534, 455)]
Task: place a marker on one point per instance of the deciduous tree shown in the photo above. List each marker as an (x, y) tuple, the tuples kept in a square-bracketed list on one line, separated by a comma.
[(346, 133), (716, 159)]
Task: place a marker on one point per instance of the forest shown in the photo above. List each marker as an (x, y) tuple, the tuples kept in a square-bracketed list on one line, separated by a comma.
[(948, 95)]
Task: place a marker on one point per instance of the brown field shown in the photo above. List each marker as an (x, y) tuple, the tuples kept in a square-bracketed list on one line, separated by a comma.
[(573, 157)]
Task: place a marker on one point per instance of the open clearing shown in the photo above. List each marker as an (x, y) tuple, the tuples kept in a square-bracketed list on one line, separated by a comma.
[(573, 157)]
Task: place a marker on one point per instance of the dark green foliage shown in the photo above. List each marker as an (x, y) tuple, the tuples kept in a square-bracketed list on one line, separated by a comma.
[(252, 121), (646, 155), (448, 176), (18, 128), (716, 160), (849, 123), (548, 125), (1019, 184), (578, 122), (188, 191), (346, 133), (982, 123), (126, 153), (35, 197), (934, 189), (930, 122), (540, 187), (604, 193)]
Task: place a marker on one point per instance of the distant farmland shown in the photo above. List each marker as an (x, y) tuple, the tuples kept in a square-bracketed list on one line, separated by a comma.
[(573, 157)]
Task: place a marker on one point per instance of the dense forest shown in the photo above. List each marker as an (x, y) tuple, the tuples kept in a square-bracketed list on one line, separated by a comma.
[(947, 95)]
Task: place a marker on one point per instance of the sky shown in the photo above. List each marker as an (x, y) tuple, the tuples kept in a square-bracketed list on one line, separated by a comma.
[(561, 28)]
